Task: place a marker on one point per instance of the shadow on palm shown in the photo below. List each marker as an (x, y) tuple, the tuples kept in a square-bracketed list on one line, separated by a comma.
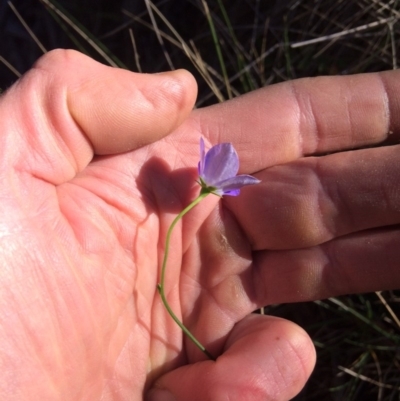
[(209, 270)]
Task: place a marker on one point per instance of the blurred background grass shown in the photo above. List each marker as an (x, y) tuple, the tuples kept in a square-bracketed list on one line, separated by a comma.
[(233, 47)]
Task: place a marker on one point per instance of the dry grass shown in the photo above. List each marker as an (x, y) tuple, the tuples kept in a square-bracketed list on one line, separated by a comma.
[(233, 47)]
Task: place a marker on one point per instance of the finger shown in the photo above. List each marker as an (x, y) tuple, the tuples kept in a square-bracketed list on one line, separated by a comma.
[(266, 358), (315, 199), (283, 122), (368, 261), (69, 107)]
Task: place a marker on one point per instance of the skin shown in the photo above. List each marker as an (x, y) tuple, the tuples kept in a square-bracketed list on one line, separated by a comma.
[(90, 183)]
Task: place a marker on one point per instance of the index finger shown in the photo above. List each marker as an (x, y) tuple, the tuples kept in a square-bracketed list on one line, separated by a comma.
[(309, 116), (69, 107)]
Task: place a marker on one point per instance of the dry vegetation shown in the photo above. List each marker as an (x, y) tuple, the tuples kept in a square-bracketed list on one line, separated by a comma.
[(233, 47)]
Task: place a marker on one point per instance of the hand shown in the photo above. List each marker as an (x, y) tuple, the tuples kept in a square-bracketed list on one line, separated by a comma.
[(77, 249), (323, 222), (325, 219), (82, 239), (83, 221)]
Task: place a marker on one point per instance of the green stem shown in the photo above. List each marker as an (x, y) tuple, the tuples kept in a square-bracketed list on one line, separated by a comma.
[(161, 285)]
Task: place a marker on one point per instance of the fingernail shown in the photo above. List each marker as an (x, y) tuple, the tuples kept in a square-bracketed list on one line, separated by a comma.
[(160, 395)]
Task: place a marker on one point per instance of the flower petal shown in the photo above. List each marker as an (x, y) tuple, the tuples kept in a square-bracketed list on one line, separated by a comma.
[(232, 185), (221, 162), (231, 192)]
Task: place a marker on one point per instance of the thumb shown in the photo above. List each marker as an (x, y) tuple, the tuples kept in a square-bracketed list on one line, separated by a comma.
[(70, 107), (266, 358)]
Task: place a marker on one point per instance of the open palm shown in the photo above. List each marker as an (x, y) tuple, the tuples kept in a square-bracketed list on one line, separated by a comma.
[(82, 238)]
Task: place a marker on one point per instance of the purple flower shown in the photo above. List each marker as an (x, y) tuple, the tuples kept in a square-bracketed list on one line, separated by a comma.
[(218, 168)]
